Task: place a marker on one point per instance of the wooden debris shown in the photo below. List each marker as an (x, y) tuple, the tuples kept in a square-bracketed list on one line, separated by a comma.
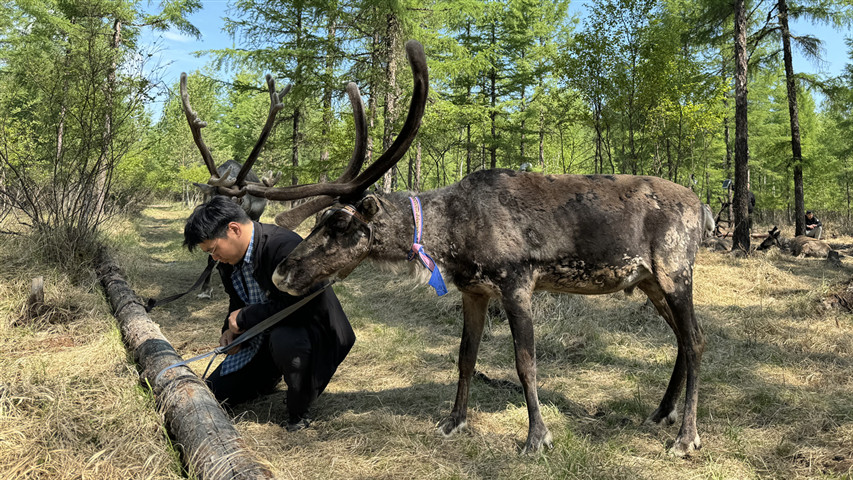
[(209, 443), (35, 302)]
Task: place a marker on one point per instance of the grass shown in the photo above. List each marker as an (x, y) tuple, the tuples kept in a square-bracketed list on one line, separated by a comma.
[(775, 394), (70, 402)]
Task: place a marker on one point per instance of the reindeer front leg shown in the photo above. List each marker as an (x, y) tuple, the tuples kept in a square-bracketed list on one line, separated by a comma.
[(474, 317), (517, 305)]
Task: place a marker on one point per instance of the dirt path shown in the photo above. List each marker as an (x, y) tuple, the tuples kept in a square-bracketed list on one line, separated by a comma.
[(191, 324)]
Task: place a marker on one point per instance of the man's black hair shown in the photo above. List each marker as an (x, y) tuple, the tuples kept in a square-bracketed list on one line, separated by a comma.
[(210, 220), (808, 212)]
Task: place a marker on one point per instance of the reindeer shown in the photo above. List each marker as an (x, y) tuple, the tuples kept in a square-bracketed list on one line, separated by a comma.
[(504, 234), (223, 179), (800, 246)]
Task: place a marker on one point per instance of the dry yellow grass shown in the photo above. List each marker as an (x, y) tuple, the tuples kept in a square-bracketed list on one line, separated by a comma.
[(775, 397), (70, 403)]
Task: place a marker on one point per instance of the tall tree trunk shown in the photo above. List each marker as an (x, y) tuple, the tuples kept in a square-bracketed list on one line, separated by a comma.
[(598, 160), (104, 165), (632, 145), (469, 153), (469, 148), (728, 142), (563, 168), (493, 100), (296, 136), (418, 161), (796, 146), (608, 148), (373, 100), (741, 239), (63, 106), (521, 149), (847, 190), (331, 31), (391, 45), (295, 139), (669, 162), (542, 140)]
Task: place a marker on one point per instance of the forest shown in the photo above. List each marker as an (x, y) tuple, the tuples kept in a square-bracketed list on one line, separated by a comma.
[(644, 87), (97, 159)]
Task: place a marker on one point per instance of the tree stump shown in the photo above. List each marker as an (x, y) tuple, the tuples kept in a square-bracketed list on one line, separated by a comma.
[(35, 301), (34, 306), (210, 445)]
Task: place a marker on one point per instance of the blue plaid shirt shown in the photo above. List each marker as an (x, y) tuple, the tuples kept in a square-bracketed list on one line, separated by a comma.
[(247, 288)]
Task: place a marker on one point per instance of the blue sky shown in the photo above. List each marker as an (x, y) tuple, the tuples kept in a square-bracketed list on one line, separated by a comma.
[(175, 51)]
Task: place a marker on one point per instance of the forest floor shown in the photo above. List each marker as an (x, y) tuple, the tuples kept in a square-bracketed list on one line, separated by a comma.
[(775, 400)]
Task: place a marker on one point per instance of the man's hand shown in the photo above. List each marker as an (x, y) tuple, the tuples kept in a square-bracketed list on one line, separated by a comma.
[(232, 322), (227, 337)]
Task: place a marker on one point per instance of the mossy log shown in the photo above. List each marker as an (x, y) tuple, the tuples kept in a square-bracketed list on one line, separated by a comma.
[(209, 443)]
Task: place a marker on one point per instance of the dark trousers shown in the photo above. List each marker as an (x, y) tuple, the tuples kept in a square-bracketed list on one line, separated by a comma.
[(285, 353)]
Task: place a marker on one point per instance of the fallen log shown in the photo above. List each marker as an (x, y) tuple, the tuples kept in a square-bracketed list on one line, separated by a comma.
[(210, 445)]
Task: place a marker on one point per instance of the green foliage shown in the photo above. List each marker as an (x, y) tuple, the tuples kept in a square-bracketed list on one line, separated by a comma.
[(72, 92), (638, 86)]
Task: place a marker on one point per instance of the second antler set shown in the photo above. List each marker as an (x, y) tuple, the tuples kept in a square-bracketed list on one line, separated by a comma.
[(352, 183)]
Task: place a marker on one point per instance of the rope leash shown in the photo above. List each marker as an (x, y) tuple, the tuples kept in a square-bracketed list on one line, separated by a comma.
[(152, 302), (247, 335)]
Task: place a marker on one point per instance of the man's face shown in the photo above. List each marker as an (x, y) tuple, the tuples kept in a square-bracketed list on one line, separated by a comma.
[(809, 215), (230, 249)]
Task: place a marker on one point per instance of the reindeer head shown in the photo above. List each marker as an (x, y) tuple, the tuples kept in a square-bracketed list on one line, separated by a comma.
[(343, 236), (341, 239), (772, 239)]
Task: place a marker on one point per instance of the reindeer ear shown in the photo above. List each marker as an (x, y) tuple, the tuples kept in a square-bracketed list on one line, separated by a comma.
[(205, 188), (369, 207)]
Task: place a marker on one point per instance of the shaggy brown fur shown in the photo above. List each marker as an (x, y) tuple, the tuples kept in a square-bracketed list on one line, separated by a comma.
[(799, 246), (504, 234)]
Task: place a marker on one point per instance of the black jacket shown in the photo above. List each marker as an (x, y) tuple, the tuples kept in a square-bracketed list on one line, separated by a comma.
[(328, 327), (813, 223)]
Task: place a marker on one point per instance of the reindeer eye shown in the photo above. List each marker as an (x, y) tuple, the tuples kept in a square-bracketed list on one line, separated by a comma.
[(325, 216)]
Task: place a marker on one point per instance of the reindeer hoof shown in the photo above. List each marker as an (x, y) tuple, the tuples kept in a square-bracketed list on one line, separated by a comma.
[(534, 445), (657, 418), (682, 447), (450, 426)]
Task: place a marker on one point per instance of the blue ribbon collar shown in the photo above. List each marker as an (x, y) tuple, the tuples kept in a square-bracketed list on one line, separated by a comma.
[(435, 281)]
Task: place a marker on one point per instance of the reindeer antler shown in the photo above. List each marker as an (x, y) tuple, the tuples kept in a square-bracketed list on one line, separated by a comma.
[(275, 107), (224, 184), (196, 124), (293, 217), (349, 185)]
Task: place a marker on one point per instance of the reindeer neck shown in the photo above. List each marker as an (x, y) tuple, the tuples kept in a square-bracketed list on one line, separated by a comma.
[(394, 227)]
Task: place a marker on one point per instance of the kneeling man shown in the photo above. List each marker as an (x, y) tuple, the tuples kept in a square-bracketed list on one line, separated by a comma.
[(304, 348)]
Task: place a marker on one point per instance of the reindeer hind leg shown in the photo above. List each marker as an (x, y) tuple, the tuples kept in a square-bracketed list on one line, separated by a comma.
[(666, 411), (677, 309), (691, 345)]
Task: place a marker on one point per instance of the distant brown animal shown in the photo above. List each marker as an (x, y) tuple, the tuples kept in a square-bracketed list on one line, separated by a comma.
[(718, 244), (505, 234), (800, 246)]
